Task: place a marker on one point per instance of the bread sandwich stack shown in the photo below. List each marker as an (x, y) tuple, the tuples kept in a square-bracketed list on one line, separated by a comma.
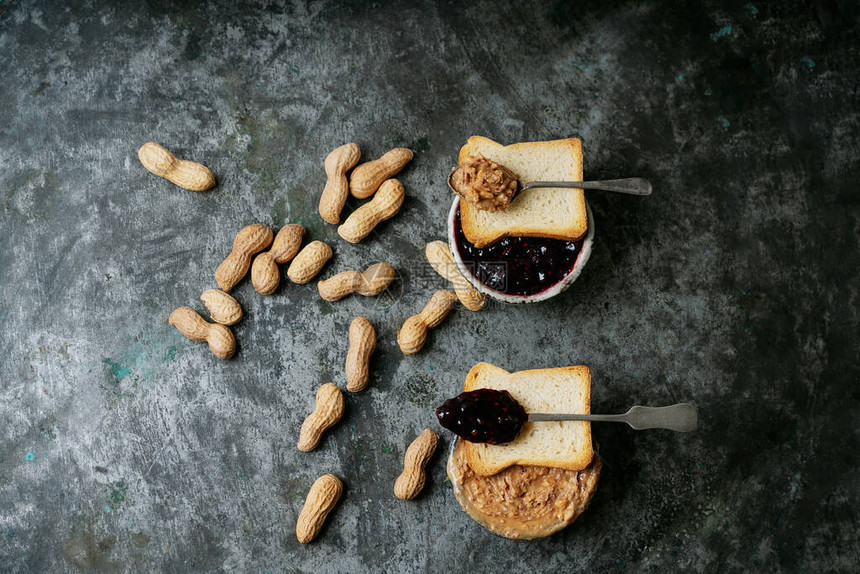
[(543, 480)]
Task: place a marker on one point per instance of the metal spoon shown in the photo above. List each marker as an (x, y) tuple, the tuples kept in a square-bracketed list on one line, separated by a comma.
[(630, 185), (681, 417)]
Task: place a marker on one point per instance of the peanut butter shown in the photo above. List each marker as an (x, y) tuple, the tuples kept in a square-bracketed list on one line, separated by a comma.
[(523, 502), (488, 185)]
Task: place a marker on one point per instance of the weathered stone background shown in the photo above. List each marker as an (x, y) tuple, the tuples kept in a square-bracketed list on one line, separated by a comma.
[(125, 447)]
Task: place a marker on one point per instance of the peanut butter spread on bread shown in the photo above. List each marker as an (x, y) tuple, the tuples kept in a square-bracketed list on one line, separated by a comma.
[(485, 183), (523, 502)]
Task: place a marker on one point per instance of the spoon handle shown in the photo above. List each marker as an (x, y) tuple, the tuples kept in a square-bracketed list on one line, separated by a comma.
[(630, 185), (682, 417)]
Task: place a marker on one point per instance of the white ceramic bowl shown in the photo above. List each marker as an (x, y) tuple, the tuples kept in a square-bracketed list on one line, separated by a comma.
[(549, 292)]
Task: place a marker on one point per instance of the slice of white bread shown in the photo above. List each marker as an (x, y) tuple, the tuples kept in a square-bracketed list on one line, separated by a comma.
[(564, 445), (553, 212)]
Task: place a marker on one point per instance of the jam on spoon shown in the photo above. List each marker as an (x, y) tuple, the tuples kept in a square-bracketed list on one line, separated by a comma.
[(483, 415)]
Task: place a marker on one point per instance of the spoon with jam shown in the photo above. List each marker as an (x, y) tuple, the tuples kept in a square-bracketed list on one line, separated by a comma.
[(490, 186), (495, 417)]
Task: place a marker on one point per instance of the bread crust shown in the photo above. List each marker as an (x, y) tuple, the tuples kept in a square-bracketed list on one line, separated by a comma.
[(481, 237)]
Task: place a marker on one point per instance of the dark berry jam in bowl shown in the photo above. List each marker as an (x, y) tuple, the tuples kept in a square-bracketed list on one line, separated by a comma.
[(519, 269)]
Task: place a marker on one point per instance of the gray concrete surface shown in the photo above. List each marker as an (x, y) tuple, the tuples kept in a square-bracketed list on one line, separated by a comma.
[(126, 448)]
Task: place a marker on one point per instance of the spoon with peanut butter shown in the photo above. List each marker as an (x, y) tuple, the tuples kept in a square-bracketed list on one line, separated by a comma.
[(490, 186), (495, 417)]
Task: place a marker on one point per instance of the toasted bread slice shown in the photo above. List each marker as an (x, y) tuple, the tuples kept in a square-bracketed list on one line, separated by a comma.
[(557, 213), (564, 445)]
